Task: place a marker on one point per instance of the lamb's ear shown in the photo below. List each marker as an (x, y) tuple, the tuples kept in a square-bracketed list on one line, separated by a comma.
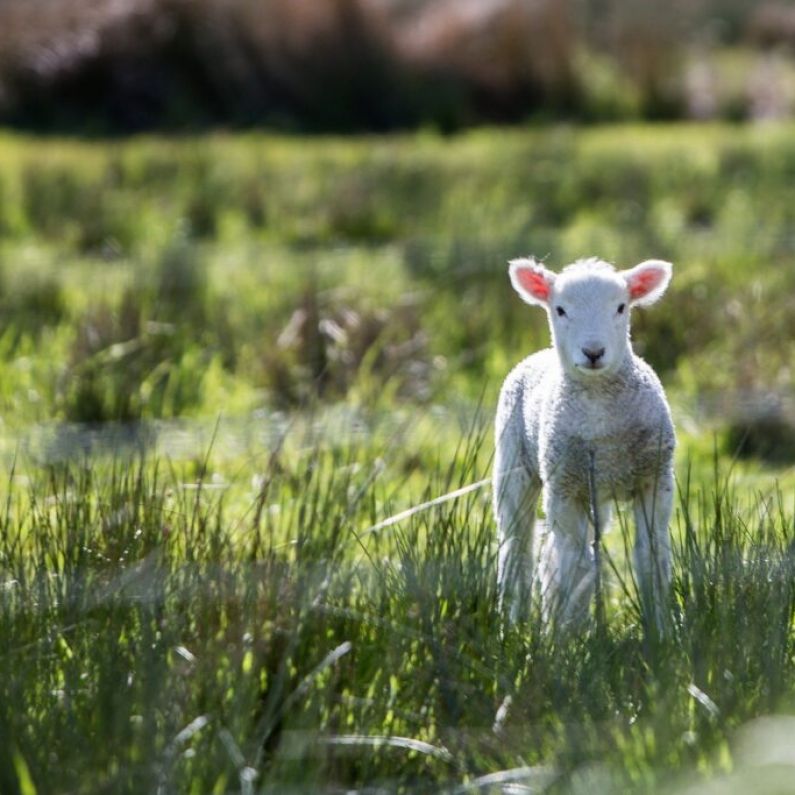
[(647, 282), (531, 280)]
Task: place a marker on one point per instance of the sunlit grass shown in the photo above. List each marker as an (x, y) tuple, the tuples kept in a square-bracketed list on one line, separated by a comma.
[(238, 376), (201, 625), (409, 233)]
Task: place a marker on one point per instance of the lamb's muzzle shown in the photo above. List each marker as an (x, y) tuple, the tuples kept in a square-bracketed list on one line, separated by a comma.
[(594, 354)]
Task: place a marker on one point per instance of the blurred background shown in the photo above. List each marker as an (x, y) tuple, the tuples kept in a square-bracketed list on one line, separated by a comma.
[(375, 65), (232, 206)]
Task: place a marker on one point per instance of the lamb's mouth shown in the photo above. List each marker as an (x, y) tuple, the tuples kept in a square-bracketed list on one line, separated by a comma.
[(591, 367)]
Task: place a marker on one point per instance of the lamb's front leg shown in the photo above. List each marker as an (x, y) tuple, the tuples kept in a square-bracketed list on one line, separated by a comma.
[(652, 555), (515, 497), (566, 570)]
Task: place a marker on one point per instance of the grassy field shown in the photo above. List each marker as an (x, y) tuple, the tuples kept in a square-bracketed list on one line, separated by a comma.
[(227, 361)]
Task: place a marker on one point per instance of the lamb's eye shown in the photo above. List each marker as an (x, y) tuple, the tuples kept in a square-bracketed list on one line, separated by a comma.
[(621, 308), (561, 311)]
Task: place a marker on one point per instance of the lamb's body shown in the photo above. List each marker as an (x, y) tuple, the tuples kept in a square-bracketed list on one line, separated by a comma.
[(624, 420), (551, 418)]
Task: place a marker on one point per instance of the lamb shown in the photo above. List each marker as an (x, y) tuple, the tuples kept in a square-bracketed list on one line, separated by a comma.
[(587, 408)]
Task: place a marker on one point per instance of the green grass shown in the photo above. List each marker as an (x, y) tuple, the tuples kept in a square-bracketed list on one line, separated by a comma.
[(371, 247), (155, 636), (225, 360)]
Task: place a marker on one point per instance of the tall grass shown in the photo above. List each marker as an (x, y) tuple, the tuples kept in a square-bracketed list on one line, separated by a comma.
[(170, 629)]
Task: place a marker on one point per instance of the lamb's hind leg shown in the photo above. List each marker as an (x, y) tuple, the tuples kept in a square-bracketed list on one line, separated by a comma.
[(566, 570), (652, 552), (515, 493)]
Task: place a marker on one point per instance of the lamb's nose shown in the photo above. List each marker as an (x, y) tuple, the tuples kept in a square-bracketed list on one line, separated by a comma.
[(594, 354)]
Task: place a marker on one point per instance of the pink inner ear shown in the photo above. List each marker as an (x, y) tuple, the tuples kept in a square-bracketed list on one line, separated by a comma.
[(644, 282), (534, 283)]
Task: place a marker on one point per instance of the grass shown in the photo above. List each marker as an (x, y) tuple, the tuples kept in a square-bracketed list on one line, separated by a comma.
[(353, 255), (156, 638), (227, 361)]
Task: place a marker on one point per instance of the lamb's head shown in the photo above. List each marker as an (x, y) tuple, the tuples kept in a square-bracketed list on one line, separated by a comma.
[(588, 305)]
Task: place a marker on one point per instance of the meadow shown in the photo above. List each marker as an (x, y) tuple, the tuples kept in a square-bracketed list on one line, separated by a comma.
[(231, 365)]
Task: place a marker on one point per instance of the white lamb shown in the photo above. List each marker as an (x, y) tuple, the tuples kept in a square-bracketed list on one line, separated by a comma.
[(589, 396)]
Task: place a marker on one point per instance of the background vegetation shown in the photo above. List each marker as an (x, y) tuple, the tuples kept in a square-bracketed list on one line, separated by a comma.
[(164, 278), (339, 65), (226, 361)]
